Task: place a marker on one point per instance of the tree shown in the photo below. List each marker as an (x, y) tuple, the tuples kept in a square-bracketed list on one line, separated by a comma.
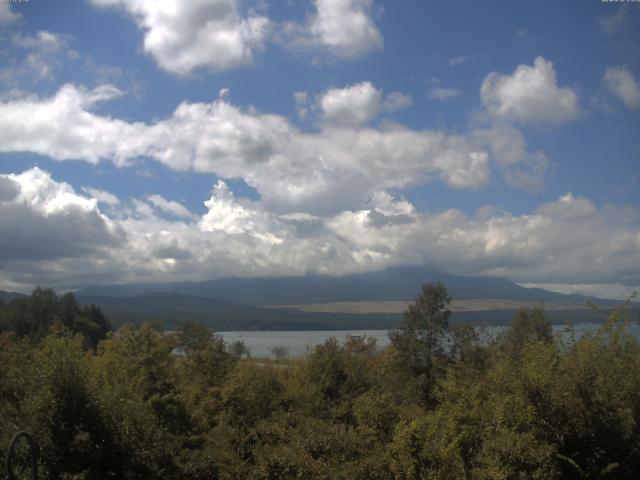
[(44, 312), (238, 349), (467, 347), (527, 326), (193, 336), (61, 408), (417, 341), (279, 352)]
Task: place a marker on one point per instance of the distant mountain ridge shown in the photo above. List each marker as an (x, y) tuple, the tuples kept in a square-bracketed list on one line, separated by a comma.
[(392, 284), (239, 303), (8, 296), (172, 309)]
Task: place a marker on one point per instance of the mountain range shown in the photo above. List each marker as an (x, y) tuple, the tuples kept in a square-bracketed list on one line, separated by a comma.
[(240, 303), (321, 302), (392, 284)]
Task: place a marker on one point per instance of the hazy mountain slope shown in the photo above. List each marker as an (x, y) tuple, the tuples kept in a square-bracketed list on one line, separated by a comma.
[(398, 283), (172, 309), (8, 296)]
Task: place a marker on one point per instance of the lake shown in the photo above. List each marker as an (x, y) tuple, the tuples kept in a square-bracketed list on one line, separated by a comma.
[(298, 343)]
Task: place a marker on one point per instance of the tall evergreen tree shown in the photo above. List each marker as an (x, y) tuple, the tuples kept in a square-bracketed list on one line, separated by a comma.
[(417, 340)]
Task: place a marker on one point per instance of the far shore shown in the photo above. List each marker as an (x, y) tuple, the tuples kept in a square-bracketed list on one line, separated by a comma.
[(474, 305)]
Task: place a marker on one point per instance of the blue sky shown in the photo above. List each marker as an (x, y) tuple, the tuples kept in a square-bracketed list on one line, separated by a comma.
[(221, 137)]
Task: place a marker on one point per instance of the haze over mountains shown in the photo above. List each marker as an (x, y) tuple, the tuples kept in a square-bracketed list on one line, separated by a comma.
[(317, 302), (392, 284), (365, 300)]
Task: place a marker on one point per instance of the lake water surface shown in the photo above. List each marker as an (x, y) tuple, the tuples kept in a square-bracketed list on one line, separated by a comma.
[(298, 343)]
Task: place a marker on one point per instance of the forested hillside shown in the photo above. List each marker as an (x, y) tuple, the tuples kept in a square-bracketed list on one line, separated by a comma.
[(393, 283), (137, 403)]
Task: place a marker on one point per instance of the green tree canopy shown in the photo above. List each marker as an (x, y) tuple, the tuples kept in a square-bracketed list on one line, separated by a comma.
[(417, 341)]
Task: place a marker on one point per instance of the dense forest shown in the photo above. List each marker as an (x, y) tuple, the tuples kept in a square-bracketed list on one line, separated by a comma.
[(440, 402)]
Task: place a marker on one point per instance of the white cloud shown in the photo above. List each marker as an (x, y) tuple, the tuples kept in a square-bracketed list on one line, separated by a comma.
[(396, 101), (601, 290), (353, 105), (335, 168), (42, 220), (541, 245), (442, 94), (344, 28), (6, 15), (171, 207), (183, 36), (43, 53), (228, 215), (43, 40), (530, 95), (302, 103), (63, 127), (457, 60), (519, 167), (358, 104), (102, 196), (616, 21), (621, 83), (240, 237)]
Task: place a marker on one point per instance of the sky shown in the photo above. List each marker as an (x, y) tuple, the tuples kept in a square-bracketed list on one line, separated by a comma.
[(163, 140)]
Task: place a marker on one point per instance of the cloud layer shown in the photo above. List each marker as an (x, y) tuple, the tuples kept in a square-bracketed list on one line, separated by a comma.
[(348, 158), (569, 239), (337, 167)]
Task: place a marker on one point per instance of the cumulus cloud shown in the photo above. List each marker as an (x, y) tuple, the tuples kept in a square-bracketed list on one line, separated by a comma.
[(442, 93), (396, 101), (6, 15), (332, 169), (457, 60), (540, 245), (621, 83), (42, 220), (63, 127), (171, 207), (344, 28), (564, 242), (353, 105), (101, 196), (183, 36), (36, 57), (8, 189), (233, 217), (615, 21), (43, 40), (530, 95), (602, 290), (520, 168), (358, 104), (302, 104)]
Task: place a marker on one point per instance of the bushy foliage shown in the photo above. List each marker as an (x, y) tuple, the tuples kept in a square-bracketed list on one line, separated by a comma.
[(437, 403), (35, 316)]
